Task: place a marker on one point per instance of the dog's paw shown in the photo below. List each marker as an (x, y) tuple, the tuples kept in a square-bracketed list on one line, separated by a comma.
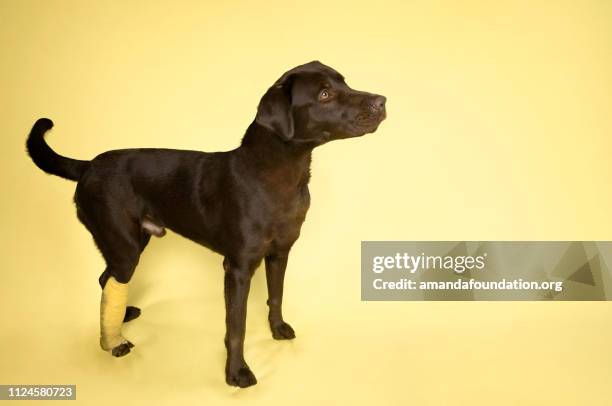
[(282, 331), (122, 349), (242, 378), (131, 312)]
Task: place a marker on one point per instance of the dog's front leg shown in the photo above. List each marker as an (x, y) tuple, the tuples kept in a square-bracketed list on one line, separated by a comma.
[(237, 284), (275, 276)]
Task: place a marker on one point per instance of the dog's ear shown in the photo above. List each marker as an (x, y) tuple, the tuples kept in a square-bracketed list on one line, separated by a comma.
[(275, 110)]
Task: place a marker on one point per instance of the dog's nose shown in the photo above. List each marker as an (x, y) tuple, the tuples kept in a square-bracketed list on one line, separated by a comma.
[(377, 103)]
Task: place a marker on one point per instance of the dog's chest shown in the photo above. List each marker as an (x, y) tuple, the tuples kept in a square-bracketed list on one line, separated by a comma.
[(281, 219), (292, 207)]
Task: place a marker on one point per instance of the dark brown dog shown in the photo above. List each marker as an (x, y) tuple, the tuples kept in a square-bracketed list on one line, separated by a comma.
[(247, 204)]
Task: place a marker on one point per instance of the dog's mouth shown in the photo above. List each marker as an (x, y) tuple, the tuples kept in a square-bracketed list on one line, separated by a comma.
[(367, 123)]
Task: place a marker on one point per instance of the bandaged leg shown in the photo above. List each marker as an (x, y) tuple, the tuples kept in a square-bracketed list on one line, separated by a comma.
[(112, 312)]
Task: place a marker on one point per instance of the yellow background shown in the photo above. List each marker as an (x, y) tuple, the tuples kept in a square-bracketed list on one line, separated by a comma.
[(498, 129)]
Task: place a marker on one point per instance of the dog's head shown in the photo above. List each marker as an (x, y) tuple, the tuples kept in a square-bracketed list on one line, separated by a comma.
[(312, 104)]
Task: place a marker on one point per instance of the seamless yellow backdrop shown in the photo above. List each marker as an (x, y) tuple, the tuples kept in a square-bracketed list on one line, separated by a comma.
[(498, 129)]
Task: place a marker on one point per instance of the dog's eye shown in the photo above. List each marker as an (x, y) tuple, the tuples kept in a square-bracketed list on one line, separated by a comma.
[(324, 95)]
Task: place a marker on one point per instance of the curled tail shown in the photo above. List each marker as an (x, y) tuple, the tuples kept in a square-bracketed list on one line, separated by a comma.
[(47, 159)]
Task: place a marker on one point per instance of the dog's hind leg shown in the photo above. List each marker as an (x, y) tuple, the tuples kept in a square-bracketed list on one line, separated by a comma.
[(131, 312), (122, 251), (112, 313), (113, 305), (122, 255), (121, 241)]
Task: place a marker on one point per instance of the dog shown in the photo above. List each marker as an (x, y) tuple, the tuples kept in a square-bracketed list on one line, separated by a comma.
[(247, 204)]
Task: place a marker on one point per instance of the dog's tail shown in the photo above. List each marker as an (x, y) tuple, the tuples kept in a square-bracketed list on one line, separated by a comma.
[(47, 159)]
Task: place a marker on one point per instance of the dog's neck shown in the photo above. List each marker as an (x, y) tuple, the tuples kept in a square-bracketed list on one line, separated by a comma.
[(275, 160)]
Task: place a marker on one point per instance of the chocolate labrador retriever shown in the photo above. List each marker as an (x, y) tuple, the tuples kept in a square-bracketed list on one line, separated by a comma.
[(247, 204)]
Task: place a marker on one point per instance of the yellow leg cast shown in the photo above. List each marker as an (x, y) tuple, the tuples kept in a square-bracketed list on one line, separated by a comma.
[(112, 312)]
